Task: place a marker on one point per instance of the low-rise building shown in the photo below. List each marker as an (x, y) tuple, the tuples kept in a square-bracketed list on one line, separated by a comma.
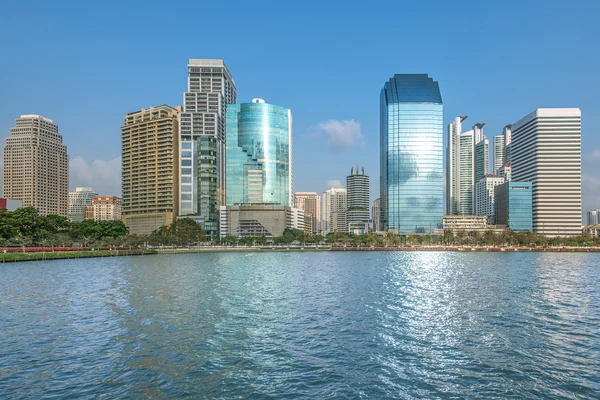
[(470, 223), (104, 208), (513, 204), (593, 230), (258, 220)]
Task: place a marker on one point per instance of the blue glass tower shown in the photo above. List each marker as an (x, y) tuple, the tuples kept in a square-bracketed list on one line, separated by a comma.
[(411, 154), (259, 154), (514, 205)]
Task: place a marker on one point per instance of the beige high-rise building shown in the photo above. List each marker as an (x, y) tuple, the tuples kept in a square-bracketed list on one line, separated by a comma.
[(149, 154), (36, 166), (104, 208), (310, 203), (333, 211)]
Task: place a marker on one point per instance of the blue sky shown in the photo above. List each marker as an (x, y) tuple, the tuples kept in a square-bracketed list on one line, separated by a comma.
[(87, 64)]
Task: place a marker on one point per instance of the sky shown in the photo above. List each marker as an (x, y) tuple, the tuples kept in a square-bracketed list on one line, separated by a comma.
[(87, 64)]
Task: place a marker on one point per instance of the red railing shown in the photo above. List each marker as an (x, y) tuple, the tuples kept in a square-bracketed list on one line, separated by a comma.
[(39, 249)]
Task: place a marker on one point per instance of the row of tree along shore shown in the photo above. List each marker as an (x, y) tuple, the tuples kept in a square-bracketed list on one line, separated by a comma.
[(25, 228)]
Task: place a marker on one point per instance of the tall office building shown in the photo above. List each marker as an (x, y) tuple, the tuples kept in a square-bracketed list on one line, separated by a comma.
[(357, 201), (259, 154), (36, 166), (485, 196), (333, 210), (507, 133), (411, 154), (78, 201), (512, 206), (149, 176), (505, 172), (498, 153), (481, 156), (593, 217), (459, 172), (310, 203), (546, 151), (202, 141), (376, 215)]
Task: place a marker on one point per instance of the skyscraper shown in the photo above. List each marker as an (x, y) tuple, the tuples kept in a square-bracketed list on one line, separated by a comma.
[(546, 151), (507, 133), (376, 215), (512, 205), (485, 196), (36, 166), (357, 201), (202, 141), (333, 210), (498, 153), (78, 201), (149, 176), (259, 154), (459, 173), (411, 154), (310, 203)]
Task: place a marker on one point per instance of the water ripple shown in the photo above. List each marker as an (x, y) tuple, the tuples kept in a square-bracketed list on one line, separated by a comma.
[(303, 325)]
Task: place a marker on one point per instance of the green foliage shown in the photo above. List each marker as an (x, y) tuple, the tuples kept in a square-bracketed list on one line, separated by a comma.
[(25, 227), (182, 232)]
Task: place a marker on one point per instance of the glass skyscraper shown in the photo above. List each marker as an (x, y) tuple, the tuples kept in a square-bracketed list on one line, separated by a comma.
[(259, 154), (514, 205), (411, 152)]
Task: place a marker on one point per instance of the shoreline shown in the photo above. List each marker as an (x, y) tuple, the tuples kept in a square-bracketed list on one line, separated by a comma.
[(64, 255)]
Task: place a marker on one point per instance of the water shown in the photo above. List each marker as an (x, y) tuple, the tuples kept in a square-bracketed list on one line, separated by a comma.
[(303, 325)]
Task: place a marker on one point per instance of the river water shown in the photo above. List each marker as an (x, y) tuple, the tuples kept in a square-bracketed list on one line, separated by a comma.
[(303, 325)]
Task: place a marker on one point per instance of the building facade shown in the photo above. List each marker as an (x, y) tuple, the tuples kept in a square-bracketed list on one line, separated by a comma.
[(546, 151), (259, 154), (459, 173), (78, 201), (465, 223), (505, 172), (333, 210), (310, 203), (498, 153), (593, 217), (35, 166), (357, 200), (149, 176), (258, 220), (482, 159), (201, 153), (376, 215), (485, 196), (513, 205), (105, 208), (411, 154), (507, 133)]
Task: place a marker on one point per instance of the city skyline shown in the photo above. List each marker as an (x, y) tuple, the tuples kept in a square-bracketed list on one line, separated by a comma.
[(335, 129)]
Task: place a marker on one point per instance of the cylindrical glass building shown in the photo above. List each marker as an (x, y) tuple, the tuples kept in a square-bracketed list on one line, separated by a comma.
[(258, 154)]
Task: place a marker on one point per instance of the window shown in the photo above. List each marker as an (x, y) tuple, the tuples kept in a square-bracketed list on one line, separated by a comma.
[(186, 163), (186, 171)]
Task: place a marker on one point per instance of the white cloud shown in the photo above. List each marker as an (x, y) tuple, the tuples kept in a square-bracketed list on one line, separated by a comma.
[(103, 176), (334, 183), (341, 135)]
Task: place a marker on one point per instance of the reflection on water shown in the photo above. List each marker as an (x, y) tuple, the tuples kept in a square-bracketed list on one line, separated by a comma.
[(312, 325)]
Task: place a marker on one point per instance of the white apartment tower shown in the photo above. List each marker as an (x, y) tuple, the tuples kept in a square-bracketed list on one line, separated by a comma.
[(36, 166), (467, 160), (485, 196), (78, 201), (507, 133), (546, 151), (202, 141)]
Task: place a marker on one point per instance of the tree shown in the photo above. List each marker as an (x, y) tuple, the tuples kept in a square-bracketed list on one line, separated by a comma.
[(448, 236)]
